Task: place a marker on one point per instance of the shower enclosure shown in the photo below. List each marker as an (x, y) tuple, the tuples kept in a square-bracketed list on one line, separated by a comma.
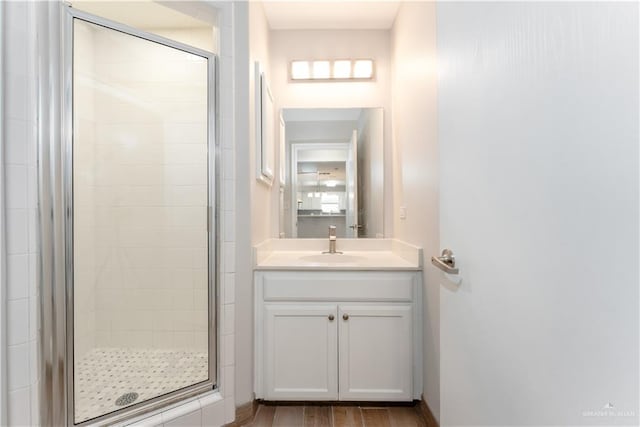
[(138, 175)]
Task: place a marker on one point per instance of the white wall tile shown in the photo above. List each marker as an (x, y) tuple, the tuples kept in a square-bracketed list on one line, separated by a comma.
[(17, 235), (229, 195), (35, 402), (19, 410), (229, 350), (34, 372), (16, 148), (32, 146), (213, 414), (32, 186), (229, 257), (17, 321), (229, 381), (228, 164), (16, 186), (16, 52), (226, 133), (229, 226), (20, 148), (228, 319), (229, 409), (16, 89), (153, 421), (32, 230), (194, 419), (18, 361), (17, 276), (229, 288), (33, 273), (34, 314), (187, 409)]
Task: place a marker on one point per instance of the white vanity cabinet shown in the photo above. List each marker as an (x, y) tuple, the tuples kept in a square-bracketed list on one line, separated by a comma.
[(338, 335), (300, 351), (375, 352)]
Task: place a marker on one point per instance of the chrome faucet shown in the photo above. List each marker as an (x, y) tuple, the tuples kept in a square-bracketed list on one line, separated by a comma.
[(332, 241)]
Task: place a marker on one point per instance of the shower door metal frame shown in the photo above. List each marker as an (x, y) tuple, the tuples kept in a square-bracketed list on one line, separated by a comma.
[(66, 169)]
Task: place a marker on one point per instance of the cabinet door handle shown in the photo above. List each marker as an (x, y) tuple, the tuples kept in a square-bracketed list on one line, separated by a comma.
[(331, 317), (345, 316)]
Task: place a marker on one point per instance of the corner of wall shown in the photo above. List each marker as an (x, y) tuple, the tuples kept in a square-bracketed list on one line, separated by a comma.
[(243, 190), (415, 162), (3, 262)]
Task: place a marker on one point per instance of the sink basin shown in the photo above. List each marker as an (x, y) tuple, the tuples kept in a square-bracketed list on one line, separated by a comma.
[(332, 258)]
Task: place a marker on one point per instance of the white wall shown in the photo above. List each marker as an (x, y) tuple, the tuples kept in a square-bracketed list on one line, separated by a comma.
[(262, 196), (415, 163), (288, 45), (253, 198), (20, 189)]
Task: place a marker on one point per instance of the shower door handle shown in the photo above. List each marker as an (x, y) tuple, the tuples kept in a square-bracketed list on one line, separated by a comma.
[(446, 262)]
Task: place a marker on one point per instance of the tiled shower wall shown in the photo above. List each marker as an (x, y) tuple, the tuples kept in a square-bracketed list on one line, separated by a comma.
[(140, 174), (20, 214)]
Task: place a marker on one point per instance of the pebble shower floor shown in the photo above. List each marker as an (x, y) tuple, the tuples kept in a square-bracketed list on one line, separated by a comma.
[(104, 375)]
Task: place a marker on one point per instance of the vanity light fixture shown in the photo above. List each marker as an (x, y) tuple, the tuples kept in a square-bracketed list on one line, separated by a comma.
[(328, 70)]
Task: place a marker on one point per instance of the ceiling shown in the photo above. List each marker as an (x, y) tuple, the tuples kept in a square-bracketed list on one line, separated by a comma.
[(331, 14)]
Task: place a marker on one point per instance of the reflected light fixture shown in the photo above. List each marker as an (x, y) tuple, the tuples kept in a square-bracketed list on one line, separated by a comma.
[(321, 69), (363, 69), (334, 69), (300, 70), (342, 69)]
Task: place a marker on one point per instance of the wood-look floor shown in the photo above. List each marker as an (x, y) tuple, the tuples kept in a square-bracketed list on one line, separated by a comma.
[(336, 416)]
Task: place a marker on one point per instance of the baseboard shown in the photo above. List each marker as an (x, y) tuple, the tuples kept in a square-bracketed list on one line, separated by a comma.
[(244, 414), (425, 412), (369, 404)]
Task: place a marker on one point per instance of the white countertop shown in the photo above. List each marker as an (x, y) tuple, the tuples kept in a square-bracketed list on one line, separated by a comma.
[(358, 254)]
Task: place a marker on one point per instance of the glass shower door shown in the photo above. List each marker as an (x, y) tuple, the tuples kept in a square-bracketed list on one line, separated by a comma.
[(143, 238)]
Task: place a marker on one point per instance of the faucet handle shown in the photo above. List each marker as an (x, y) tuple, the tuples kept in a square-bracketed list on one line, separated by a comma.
[(332, 232)]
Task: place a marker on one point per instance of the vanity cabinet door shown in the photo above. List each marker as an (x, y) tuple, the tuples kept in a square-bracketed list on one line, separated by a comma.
[(301, 354), (376, 360)]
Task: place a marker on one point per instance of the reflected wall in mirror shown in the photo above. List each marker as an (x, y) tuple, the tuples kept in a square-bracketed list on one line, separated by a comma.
[(334, 175)]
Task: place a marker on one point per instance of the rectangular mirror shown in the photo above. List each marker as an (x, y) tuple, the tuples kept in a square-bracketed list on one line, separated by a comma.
[(334, 172)]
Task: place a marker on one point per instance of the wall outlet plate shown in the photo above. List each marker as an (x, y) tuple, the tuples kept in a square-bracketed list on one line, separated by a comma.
[(403, 212)]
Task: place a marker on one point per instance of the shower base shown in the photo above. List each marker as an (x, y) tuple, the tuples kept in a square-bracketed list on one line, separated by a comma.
[(104, 375)]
